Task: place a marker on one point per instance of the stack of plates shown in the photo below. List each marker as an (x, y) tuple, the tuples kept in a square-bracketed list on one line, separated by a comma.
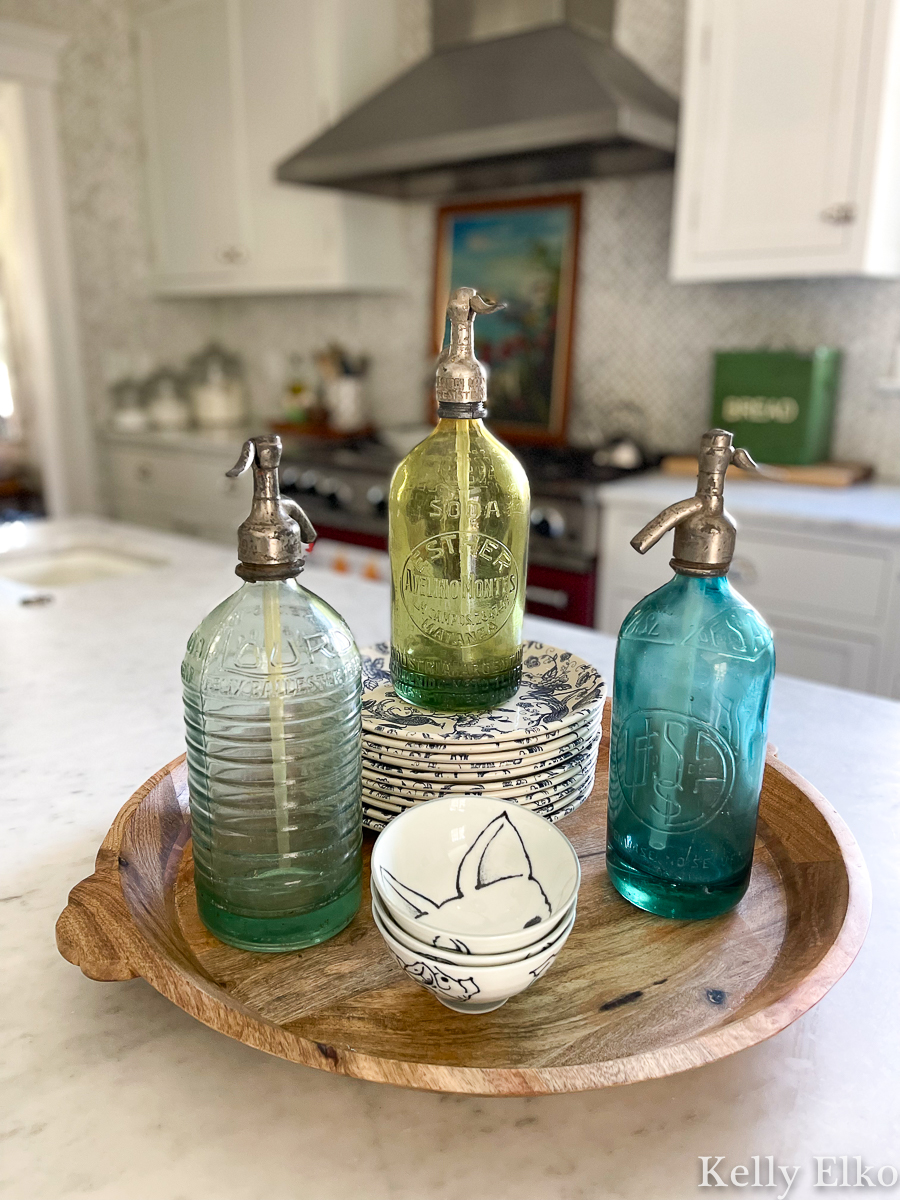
[(538, 749)]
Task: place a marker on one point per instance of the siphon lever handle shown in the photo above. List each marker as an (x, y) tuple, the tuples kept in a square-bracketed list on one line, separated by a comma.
[(267, 451), (666, 520)]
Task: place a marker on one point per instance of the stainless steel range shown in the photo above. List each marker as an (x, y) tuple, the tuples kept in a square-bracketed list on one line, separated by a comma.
[(344, 490)]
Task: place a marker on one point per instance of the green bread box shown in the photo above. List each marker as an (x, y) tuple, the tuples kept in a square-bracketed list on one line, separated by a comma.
[(778, 404)]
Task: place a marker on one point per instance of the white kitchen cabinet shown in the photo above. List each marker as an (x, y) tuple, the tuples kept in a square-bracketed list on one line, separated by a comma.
[(789, 145), (179, 488), (823, 569), (229, 88)]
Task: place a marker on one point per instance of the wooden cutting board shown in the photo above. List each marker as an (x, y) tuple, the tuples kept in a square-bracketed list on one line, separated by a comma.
[(826, 474)]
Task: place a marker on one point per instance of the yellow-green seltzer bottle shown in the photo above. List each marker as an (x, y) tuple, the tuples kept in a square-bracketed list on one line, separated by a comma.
[(459, 519)]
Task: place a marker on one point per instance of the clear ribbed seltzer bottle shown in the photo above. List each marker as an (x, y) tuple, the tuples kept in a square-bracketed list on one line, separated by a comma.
[(272, 701)]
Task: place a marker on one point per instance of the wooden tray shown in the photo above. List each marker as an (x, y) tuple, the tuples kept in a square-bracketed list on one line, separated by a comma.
[(631, 996)]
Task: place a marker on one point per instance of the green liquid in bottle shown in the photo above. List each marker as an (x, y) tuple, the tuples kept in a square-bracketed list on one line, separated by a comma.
[(459, 519), (272, 704)]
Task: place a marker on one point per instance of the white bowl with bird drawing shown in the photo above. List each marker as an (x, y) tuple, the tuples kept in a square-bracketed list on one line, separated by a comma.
[(475, 874), (453, 958), (471, 989)]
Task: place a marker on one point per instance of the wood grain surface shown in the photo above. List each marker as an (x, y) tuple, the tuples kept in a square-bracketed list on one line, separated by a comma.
[(631, 996)]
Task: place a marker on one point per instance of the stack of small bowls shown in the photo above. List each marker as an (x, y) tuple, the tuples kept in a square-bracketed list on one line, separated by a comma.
[(538, 749), (475, 897)]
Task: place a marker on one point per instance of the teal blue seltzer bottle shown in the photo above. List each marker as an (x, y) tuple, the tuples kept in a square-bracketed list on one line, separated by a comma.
[(694, 665)]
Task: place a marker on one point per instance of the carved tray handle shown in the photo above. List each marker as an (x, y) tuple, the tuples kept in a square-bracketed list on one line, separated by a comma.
[(87, 927), (95, 931)]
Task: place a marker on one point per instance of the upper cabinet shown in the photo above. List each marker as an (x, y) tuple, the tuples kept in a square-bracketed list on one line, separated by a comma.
[(789, 151), (229, 87)]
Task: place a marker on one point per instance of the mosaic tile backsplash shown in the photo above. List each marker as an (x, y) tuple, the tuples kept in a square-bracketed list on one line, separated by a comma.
[(640, 340)]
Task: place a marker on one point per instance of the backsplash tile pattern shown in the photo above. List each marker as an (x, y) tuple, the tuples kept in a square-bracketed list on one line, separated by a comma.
[(101, 153), (639, 338)]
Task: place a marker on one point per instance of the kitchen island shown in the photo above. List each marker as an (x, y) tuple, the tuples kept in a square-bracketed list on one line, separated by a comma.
[(112, 1092)]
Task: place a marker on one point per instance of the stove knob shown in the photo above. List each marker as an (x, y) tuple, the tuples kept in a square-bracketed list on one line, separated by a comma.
[(290, 479), (378, 500), (548, 522), (337, 495), (342, 497)]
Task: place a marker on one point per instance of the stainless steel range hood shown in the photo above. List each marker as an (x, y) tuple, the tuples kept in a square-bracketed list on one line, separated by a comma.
[(517, 92)]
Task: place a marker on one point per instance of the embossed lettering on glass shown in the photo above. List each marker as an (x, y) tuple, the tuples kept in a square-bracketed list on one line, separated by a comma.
[(694, 665), (272, 699), (459, 505)]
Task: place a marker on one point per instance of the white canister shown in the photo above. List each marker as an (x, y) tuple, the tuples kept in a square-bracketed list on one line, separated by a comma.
[(344, 401), (218, 402), (167, 411)]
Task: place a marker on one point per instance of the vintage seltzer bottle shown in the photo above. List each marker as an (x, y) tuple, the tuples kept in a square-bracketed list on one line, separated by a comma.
[(694, 664), (459, 520), (272, 704)]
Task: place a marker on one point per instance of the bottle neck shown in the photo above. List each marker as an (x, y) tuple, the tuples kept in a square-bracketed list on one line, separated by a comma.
[(452, 424), (292, 584), (461, 411), (707, 584)]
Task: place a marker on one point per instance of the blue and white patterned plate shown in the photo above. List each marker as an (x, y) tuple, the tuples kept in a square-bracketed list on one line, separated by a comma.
[(377, 815), (515, 768), (474, 756), (558, 689), (541, 794), (509, 788)]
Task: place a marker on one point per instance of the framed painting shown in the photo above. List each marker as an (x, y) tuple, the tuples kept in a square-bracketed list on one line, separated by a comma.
[(525, 253)]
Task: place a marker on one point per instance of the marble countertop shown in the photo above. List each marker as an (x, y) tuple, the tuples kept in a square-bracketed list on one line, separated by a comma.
[(111, 1092), (869, 507)]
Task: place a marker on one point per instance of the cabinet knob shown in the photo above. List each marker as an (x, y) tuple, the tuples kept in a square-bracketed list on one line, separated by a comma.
[(548, 522), (232, 255), (377, 501), (839, 214)]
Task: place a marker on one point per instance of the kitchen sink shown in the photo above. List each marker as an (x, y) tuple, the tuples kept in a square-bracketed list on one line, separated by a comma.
[(71, 565)]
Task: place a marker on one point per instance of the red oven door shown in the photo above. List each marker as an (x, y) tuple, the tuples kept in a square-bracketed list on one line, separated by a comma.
[(565, 595)]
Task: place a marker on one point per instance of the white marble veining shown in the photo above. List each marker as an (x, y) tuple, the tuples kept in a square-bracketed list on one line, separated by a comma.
[(111, 1092)]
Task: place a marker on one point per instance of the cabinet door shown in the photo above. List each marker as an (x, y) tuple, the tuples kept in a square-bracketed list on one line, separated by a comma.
[(179, 492), (296, 231), (191, 124), (302, 64), (768, 178), (826, 657), (231, 87)]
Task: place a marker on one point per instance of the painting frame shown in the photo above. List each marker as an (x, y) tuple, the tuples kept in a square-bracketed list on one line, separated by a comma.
[(552, 429)]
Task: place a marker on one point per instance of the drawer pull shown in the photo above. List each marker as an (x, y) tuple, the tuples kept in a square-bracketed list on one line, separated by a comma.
[(232, 256), (552, 597), (839, 214)]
